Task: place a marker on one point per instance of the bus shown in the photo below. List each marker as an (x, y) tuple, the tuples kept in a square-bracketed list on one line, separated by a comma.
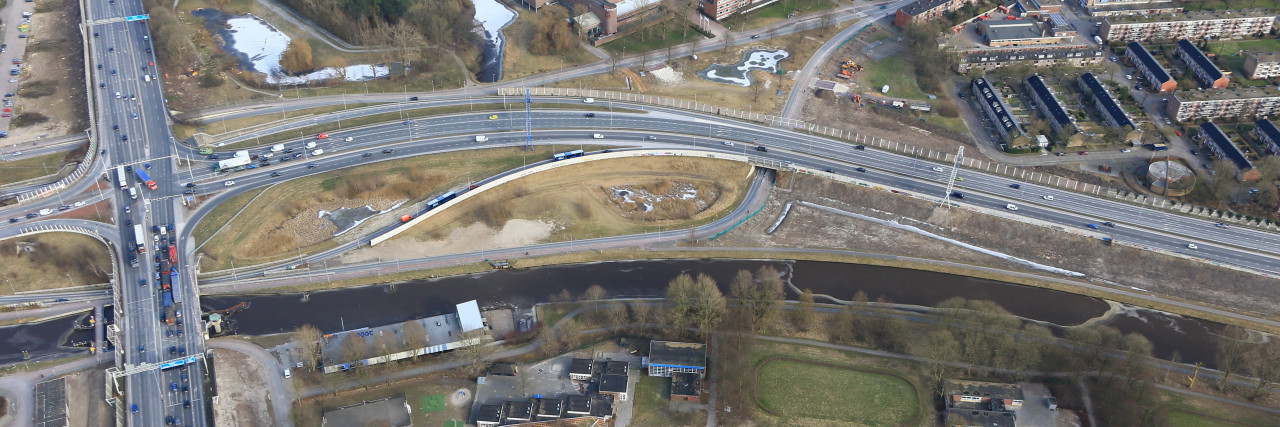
[(140, 238), (122, 178), (434, 203), (567, 155)]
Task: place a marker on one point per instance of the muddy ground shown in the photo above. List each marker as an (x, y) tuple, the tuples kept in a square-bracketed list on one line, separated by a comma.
[(1159, 274), (86, 399), (242, 392), (53, 74)]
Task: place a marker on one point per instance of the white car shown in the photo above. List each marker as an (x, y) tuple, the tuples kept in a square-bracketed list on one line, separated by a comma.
[(1011, 207), (937, 168), (589, 101), (229, 183), (349, 139), (1047, 197), (1192, 246), (1125, 150), (727, 143), (1128, 77)]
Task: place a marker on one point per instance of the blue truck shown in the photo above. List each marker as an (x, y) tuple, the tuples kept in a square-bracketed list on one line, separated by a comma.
[(142, 176), (167, 299)]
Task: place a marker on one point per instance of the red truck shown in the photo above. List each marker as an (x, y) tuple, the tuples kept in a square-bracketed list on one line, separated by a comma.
[(173, 254)]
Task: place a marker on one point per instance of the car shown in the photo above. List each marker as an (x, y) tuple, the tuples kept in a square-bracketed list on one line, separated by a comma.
[(191, 185), (22, 36), (148, 50), (1128, 77), (590, 114), (957, 194), (17, 153), (1011, 207), (1015, 186), (115, 128), (727, 143), (1092, 226), (828, 171), (32, 215), (1109, 224), (651, 138), (388, 151), (113, 72), (168, 333), (8, 95), (1083, 153), (413, 98), (189, 192), (1179, 133), (135, 406), (151, 63), (128, 168), (13, 220), (347, 139), (128, 222), (214, 157), (408, 122), (1047, 197), (859, 147), (6, 114), (124, 137), (959, 178), (275, 174), (961, 94), (142, 349), (493, 117), (755, 36), (1220, 225), (127, 210), (184, 377), (588, 100), (312, 165), (366, 155), (1125, 150), (1195, 152), (861, 169), (762, 149), (64, 207), (135, 116), (936, 168), (173, 386), (4, 134), (186, 404), (229, 183), (1192, 246)]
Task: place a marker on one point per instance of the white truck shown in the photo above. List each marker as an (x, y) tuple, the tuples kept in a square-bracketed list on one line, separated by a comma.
[(317, 152), (242, 153), (45, 212), (597, 136), (481, 138), (277, 148), (311, 144)]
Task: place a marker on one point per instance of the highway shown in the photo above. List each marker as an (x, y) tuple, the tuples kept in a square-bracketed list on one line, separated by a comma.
[(132, 127)]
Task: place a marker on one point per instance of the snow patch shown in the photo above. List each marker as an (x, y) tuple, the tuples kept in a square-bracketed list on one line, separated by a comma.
[(264, 45)]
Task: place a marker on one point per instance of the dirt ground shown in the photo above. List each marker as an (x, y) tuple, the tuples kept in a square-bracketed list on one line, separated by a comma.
[(86, 399), (576, 203), (309, 411), (242, 392), (52, 75), (51, 261), (1126, 266)]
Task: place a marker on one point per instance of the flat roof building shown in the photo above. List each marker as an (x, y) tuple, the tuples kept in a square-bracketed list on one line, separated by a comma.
[(686, 387), (615, 385), (517, 411), (982, 392), (1134, 8), (1201, 66), (958, 417), (576, 405), (926, 10), (1017, 32), (1223, 24), (1050, 107), (1268, 136), (602, 405), (721, 9), (548, 409), (1217, 142), (581, 369), (1039, 56), (667, 357), (1261, 65), (1231, 102), (997, 111), (1150, 68), (1104, 102)]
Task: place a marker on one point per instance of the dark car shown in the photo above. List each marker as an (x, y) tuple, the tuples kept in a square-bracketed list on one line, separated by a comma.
[(276, 174), (64, 207), (191, 185), (829, 171), (124, 137), (1015, 186), (32, 215), (1109, 224), (859, 147), (312, 165), (128, 168), (173, 349), (14, 219), (115, 127), (128, 222), (861, 169), (288, 151), (413, 98), (762, 149), (961, 95), (957, 194), (387, 151), (189, 192), (213, 157), (366, 155), (591, 114)]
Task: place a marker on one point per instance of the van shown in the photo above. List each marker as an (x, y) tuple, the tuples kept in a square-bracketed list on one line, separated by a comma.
[(277, 148), (287, 375), (163, 229), (597, 136), (45, 211), (133, 193), (317, 152), (147, 77), (589, 101), (481, 138), (311, 144)]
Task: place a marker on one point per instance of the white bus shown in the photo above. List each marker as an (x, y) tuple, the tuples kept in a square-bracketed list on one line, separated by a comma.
[(121, 178)]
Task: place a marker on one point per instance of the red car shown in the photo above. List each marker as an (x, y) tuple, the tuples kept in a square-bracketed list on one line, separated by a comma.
[(1177, 132), (1084, 153), (151, 63), (8, 110)]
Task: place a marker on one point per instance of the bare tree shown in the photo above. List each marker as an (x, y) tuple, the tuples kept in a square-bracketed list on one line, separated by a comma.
[(641, 313), (594, 293), (1232, 350), (406, 41), (726, 41), (616, 313), (307, 339), (614, 58), (1264, 363), (939, 347), (802, 317), (354, 348), (474, 355)]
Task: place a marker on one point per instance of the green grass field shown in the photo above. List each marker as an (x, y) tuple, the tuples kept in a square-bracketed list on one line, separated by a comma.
[(655, 38), (1186, 419), (433, 403), (786, 388), (897, 72), (776, 12), (26, 168), (651, 406), (1228, 58)]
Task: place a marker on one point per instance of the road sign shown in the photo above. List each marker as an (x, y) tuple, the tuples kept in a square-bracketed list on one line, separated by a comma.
[(137, 18)]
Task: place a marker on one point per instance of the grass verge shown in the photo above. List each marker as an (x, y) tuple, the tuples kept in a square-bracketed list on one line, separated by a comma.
[(183, 131), (51, 261), (518, 61), (30, 167), (899, 74), (784, 387), (310, 412)]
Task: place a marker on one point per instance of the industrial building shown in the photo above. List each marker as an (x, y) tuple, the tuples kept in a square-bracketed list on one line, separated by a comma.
[(1150, 68), (997, 111), (1035, 9), (1039, 56), (444, 333), (1232, 103), (1050, 107), (1268, 136), (1261, 65), (1217, 142), (1104, 102), (1018, 32), (1222, 24), (1205, 71), (926, 10), (667, 357)]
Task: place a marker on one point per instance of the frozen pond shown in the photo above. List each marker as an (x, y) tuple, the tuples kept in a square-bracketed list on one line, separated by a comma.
[(257, 46), (492, 16), (738, 74)]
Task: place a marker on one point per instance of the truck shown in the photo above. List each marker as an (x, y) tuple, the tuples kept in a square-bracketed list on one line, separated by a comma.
[(277, 148), (121, 178), (142, 176), (133, 193), (139, 237), (1159, 147), (242, 153), (481, 138), (311, 144), (173, 254), (231, 163), (177, 292), (167, 299), (164, 278)]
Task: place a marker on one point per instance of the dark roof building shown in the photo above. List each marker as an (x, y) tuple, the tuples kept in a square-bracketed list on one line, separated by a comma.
[(1048, 102), (1018, 32), (926, 10), (1217, 142), (1150, 68), (997, 111), (504, 369), (686, 386), (489, 416), (581, 369), (613, 367), (602, 405), (549, 409), (666, 357), (1039, 56), (1111, 111), (616, 384), (1205, 71), (577, 404), (517, 411), (957, 417), (959, 392), (1268, 136)]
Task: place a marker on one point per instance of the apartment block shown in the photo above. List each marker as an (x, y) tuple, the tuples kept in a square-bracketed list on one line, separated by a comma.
[(1214, 103), (926, 10), (1261, 65), (1133, 8), (1039, 56), (1205, 71), (1268, 136), (1104, 102), (1224, 24), (1216, 141), (721, 9), (1151, 69), (997, 111), (1050, 108), (1019, 32)]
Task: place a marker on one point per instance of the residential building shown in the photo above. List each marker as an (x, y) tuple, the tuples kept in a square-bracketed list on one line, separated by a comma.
[(1093, 3), (1205, 71), (1261, 65), (1268, 136), (926, 10), (548, 409), (1134, 8), (602, 405), (489, 416), (615, 385), (1049, 105), (577, 405), (721, 9), (1231, 102), (1059, 27), (667, 357), (957, 417), (1104, 102), (980, 392), (605, 19), (997, 111), (581, 369), (1039, 56), (1151, 69), (1017, 32), (1222, 147), (1222, 24), (686, 386), (515, 412), (1036, 9)]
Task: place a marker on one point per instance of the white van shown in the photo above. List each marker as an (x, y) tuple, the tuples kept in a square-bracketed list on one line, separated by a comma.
[(147, 77), (45, 211), (163, 230), (133, 193), (597, 136), (481, 138), (277, 147), (589, 101), (317, 152), (267, 155), (287, 375), (311, 144)]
